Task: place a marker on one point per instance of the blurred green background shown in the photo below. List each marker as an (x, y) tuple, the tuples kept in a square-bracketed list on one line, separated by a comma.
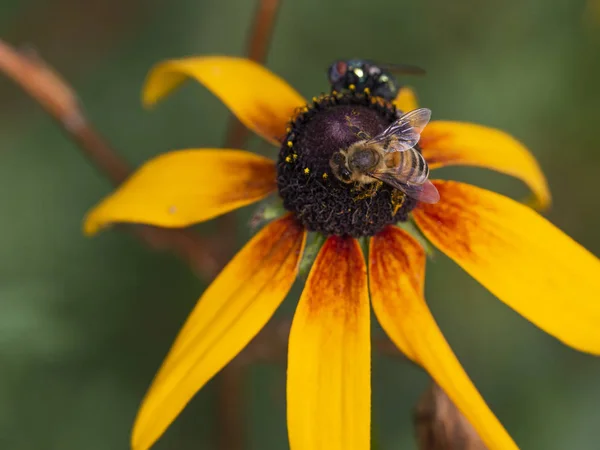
[(85, 323)]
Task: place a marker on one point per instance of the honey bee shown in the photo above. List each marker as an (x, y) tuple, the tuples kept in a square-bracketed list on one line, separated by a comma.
[(389, 157)]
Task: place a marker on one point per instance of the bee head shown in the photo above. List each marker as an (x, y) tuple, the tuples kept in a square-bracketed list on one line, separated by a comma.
[(339, 166)]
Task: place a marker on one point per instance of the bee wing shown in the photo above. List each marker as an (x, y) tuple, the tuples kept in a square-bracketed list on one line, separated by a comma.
[(426, 192), (404, 133)]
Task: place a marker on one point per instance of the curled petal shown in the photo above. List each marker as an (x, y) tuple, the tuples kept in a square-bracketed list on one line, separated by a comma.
[(523, 259), (457, 143), (406, 100), (396, 276), (260, 99), (230, 313), (181, 188), (329, 360)]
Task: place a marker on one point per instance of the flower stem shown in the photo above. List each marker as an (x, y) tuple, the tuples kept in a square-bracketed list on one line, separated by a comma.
[(258, 47), (439, 425)]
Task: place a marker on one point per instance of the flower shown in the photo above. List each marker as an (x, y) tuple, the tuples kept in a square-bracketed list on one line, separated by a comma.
[(518, 255)]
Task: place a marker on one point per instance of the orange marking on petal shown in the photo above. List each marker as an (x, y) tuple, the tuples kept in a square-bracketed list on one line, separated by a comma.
[(396, 278), (329, 358), (263, 118), (441, 220), (264, 178), (522, 258), (229, 314), (338, 257), (445, 143)]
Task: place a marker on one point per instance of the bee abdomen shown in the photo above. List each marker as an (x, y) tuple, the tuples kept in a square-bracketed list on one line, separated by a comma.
[(412, 166), (422, 173)]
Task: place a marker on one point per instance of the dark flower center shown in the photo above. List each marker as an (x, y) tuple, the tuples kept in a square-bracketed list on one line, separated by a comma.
[(310, 189)]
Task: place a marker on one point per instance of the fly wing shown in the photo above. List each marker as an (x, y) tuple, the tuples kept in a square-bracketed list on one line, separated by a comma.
[(400, 68), (404, 133)]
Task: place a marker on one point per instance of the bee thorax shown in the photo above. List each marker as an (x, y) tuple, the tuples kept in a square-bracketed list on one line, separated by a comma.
[(362, 158)]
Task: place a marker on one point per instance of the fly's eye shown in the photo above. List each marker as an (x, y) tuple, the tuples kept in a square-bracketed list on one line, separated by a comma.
[(337, 71)]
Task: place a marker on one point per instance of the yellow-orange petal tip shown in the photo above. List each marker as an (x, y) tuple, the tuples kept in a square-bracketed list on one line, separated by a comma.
[(260, 99), (184, 187), (446, 143)]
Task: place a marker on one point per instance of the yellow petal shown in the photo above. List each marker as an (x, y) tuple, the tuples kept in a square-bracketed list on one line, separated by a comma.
[(406, 100), (329, 360), (521, 258), (229, 314), (181, 188), (457, 143), (396, 275), (260, 99)]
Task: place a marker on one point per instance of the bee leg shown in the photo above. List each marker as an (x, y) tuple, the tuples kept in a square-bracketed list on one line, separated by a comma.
[(398, 198), (362, 135), (376, 186), (368, 191)]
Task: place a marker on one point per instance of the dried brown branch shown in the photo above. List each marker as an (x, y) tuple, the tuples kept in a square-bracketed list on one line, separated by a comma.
[(231, 423), (45, 86), (441, 426), (269, 346)]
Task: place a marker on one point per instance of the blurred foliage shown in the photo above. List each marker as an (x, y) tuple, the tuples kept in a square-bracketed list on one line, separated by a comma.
[(85, 323)]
